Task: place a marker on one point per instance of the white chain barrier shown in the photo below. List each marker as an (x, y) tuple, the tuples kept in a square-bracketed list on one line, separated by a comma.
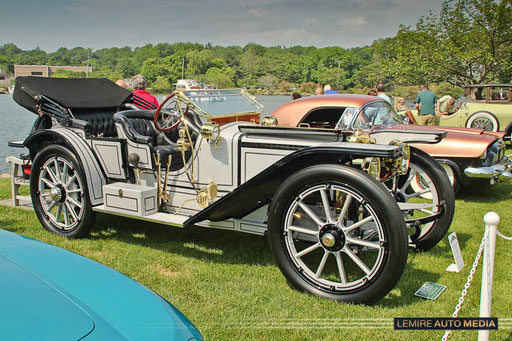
[(468, 282), (502, 236), (488, 246)]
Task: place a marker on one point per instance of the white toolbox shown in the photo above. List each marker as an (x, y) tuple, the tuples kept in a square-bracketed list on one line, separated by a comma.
[(130, 199)]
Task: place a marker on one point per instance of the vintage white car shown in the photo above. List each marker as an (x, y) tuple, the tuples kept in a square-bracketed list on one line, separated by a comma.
[(334, 230)]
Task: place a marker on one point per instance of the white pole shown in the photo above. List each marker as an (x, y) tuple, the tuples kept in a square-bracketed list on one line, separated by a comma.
[(491, 220)]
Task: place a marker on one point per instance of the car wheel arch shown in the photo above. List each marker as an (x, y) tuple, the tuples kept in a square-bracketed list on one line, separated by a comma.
[(94, 174)]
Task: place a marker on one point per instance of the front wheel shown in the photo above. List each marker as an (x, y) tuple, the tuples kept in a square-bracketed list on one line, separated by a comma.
[(335, 233), (425, 191), (59, 193)]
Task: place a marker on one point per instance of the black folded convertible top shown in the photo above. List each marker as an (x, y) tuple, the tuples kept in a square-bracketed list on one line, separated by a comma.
[(70, 92)]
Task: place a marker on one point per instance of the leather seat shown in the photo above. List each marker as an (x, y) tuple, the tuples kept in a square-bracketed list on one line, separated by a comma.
[(101, 122), (140, 128)]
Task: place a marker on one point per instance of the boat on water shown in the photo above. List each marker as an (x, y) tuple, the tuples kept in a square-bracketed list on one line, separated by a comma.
[(199, 92)]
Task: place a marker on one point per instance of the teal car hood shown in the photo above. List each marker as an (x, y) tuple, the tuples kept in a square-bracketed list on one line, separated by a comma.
[(44, 288), (32, 309)]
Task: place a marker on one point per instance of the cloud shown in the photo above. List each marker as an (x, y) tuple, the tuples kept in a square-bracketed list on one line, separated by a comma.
[(353, 22), (257, 12)]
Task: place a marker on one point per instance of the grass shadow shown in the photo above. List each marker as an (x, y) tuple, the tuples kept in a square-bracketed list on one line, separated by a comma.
[(213, 245), (488, 194), (411, 278)]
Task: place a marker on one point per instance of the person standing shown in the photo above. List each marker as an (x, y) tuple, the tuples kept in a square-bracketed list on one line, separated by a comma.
[(446, 105), (381, 88), (328, 90), (319, 90), (139, 86), (425, 104), (121, 83), (296, 95)]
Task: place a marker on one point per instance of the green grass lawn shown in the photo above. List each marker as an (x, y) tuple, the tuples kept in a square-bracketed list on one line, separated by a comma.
[(229, 287)]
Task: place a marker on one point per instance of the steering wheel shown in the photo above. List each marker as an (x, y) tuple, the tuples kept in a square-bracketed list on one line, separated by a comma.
[(170, 117), (458, 104)]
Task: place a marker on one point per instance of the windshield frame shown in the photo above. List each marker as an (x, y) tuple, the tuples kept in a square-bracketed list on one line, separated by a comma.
[(398, 118)]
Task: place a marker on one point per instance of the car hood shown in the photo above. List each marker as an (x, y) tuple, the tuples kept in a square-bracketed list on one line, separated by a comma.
[(54, 291), (458, 143), (33, 309)]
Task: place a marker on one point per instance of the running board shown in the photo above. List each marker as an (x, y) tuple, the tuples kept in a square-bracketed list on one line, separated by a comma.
[(159, 217)]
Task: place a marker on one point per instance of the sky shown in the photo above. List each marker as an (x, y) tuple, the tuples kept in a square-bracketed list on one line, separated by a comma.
[(97, 24)]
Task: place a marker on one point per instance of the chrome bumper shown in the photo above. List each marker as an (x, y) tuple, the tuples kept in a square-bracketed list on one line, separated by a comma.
[(501, 171)]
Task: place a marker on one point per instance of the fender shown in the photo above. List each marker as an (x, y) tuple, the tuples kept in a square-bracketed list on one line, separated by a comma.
[(258, 191), (92, 170)]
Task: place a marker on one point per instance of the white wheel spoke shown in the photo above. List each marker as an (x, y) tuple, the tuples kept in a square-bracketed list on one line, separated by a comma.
[(341, 268), (74, 202), (362, 242), (308, 250), (47, 183), (414, 206), (51, 174), (52, 204), (59, 212), (64, 173), (322, 264), (302, 230), (70, 181), (311, 214), (57, 170), (327, 207), (66, 216), (356, 260), (412, 174), (343, 213), (78, 190), (72, 212), (417, 194), (358, 224)]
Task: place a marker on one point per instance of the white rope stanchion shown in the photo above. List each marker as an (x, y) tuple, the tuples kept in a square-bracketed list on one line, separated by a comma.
[(491, 220)]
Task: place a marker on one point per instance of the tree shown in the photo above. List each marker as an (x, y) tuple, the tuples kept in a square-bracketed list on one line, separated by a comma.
[(269, 82), (222, 78), (470, 42)]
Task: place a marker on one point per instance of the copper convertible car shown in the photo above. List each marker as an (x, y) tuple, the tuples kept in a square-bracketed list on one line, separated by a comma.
[(469, 156)]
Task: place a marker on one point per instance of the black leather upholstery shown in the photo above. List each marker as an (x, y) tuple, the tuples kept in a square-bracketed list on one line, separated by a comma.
[(101, 122), (139, 127)]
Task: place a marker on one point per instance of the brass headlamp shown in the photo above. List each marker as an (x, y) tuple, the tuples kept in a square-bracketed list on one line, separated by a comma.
[(211, 131)]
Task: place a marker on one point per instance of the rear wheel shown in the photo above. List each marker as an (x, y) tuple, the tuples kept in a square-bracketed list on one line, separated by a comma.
[(59, 193), (335, 233), (483, 120)]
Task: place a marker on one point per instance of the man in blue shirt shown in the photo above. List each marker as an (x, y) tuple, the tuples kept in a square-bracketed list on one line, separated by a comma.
[(327, 90), (425, 103)]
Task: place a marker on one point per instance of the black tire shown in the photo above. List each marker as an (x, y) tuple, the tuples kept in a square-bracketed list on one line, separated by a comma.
[(426, 183), (360, 197), (59, 193)]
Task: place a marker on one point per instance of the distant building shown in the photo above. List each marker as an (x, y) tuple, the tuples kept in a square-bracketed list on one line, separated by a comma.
[(46, 70)]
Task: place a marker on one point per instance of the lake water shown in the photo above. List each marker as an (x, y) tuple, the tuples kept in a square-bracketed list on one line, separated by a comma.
[(17, 122)]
